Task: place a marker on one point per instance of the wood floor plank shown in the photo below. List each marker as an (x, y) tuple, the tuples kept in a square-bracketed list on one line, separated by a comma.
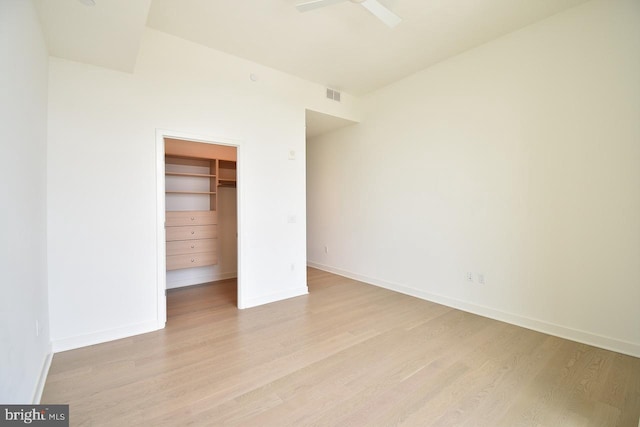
[(347, 354)]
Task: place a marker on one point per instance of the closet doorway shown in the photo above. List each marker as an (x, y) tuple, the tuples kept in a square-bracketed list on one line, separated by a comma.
[(198, 239)]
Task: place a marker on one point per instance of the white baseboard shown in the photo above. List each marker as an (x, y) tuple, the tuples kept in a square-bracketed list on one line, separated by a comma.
[(278, 296), (100, 337), (584, 337), (197, 280), (37, 395)]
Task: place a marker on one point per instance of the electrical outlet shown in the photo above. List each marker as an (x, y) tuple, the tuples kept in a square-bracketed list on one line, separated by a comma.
[(326, 249), (470, 276), (481, 279), (293, 267), (37, 328)]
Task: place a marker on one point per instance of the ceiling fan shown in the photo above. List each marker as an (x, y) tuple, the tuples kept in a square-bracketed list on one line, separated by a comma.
[(373, 6)]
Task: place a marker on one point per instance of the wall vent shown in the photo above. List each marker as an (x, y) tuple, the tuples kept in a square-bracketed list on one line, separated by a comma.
[(333, 94)]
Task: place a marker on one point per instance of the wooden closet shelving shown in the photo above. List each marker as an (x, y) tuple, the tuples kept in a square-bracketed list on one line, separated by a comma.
[(227, 173), (189, 192), (196, 175), (192, 235)]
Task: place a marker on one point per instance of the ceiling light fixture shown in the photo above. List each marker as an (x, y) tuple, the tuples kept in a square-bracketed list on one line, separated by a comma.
[(376, 8), (88, 2)]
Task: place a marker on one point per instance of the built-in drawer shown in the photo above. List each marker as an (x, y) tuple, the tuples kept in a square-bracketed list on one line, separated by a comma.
[(179, 247), (176, 262), (177, 218), (192, 232)]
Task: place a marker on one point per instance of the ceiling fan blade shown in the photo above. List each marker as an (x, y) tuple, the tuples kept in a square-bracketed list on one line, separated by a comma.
[(314, 4), (382, 13)]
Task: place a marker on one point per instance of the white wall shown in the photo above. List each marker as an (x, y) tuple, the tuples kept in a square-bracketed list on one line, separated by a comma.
[(518, 160), (102, 178), (24, 354)]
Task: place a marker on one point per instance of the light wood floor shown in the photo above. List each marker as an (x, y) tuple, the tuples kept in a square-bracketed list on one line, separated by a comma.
[(348, 354)]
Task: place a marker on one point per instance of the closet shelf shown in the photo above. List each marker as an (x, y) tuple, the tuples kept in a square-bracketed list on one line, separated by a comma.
[(230, 183), (191, 192), (197, 175)]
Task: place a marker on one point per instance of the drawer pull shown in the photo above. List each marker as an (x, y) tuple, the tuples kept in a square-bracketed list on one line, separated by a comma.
[(193, 218), (193, 232), (193, 246), (193, 260)]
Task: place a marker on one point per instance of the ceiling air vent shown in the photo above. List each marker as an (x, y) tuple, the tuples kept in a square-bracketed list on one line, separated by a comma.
[(333, 94)]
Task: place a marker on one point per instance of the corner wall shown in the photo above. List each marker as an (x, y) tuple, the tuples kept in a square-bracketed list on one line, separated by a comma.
[(24, 348), (518, 161)]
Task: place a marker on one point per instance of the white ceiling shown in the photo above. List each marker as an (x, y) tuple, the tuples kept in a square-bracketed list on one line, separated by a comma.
[(341, 46), (319, 123), (107, 35)]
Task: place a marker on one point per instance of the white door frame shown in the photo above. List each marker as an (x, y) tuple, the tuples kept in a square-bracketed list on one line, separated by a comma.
[(161, 134)]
